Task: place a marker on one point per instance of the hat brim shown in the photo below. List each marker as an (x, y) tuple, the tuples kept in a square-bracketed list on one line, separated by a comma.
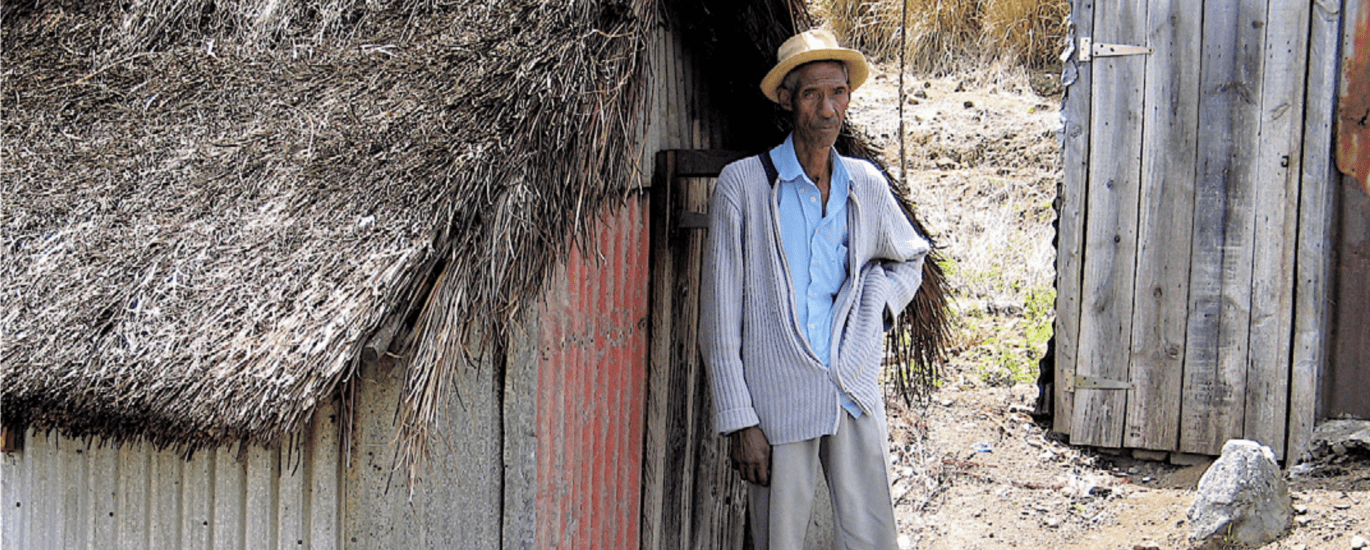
[(857, 68)]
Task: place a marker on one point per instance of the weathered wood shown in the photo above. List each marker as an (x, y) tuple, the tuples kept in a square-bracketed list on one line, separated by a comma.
[(1220, 270), (11, 439), (520, 433), (324, 495), (719, 501), (12, 491), (1315, 227), (291, 522), (704, 162), (1111, 235), (1276, 223), (63, 494), (133, 496), (262, 473), (75, 501), (165, 512), (1070, 219), (230, 499), (1170, 132), (654, 474), (680, 454), (197, 501), (104, 475)]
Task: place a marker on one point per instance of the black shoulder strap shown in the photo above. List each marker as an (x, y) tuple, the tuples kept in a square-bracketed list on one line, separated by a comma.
[(771, 172)]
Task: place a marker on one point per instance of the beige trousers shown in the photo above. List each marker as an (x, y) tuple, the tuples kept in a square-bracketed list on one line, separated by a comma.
[(855, 463)]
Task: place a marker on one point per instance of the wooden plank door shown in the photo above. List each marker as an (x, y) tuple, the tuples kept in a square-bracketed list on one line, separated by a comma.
[(691, 497), (1177, 286)]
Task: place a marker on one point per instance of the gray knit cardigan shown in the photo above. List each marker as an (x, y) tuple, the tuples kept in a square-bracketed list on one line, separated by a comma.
[(761, 368)]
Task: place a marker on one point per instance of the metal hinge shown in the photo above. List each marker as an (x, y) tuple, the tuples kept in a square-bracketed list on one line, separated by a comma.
[(1094, 383), (1090, 49)]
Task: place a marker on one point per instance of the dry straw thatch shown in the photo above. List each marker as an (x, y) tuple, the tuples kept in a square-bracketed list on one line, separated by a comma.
[(944, 35), (210, 207)]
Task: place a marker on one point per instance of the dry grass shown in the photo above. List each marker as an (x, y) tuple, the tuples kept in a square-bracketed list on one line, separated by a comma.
[(947, 35)]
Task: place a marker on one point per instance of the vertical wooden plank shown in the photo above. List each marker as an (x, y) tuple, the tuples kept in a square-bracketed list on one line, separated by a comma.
[(1220, 268), (230, 500), (1070, 217), (323, 480), (1165, 220), (654, 474), (521, 423), (132, 513), (165, 500), (49, 494), (197, 501), (1315, 227), (13, 491), (681, 426), (75, 503), (1276, 224), (672, 105), (104, 475), (1111, 233), (261, 482), (291, 518)]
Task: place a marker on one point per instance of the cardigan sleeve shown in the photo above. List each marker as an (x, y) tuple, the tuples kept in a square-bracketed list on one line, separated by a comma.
[(720, 309), (901, 249)]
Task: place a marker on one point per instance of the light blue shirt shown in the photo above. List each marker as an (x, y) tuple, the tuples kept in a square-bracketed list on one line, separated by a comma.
[(815, 246)]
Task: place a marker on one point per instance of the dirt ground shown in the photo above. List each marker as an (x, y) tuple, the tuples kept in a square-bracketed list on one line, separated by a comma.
[(973, 469)]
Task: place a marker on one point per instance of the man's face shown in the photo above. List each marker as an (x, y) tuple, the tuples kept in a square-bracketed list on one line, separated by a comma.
[(818, 102)]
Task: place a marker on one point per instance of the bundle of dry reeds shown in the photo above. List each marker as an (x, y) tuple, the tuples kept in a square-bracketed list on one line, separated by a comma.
[(943, 35)]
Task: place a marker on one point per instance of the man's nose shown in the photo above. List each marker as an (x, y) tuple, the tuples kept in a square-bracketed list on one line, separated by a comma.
[(828, 107)]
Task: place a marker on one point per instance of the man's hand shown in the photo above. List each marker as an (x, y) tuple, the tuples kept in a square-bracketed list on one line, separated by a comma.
[(751, 455)]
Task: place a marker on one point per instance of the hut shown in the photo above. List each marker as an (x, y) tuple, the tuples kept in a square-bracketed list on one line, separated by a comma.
[(396, 273), (1211, 260)]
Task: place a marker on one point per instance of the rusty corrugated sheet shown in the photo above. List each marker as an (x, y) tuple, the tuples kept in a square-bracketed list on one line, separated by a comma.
[(591, 388), (1353, 109)]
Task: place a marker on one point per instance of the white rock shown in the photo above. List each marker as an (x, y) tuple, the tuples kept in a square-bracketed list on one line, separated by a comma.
[(1358, 542), (1242, 496), (905, 542)]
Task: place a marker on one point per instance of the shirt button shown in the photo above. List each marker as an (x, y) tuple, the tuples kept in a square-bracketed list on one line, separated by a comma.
[(813, 199)]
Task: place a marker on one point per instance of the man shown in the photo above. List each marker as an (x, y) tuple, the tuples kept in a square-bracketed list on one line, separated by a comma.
[(809, 259)]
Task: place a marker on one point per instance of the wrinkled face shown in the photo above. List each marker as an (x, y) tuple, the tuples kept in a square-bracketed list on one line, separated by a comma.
[(818, 102)]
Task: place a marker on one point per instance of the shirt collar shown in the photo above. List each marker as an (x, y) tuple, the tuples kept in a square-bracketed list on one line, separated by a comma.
[(787, 165)]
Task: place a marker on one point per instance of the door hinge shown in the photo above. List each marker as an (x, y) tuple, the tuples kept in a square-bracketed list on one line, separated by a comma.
[(1095, 383), (1089, 49)]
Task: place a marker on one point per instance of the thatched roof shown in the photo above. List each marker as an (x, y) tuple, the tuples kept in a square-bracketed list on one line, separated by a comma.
[(210, 207)]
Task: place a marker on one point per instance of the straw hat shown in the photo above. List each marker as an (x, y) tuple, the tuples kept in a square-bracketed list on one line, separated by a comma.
[(813, 45)]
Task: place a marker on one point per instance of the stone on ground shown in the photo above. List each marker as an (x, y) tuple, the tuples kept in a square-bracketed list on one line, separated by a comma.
[(1242, 497)]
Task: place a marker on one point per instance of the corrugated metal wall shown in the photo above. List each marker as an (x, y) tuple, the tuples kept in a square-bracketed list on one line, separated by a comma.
[(591, 387), (61, 493)]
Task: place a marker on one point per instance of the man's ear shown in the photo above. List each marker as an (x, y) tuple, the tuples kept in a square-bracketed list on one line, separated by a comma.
[(783, 97)]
